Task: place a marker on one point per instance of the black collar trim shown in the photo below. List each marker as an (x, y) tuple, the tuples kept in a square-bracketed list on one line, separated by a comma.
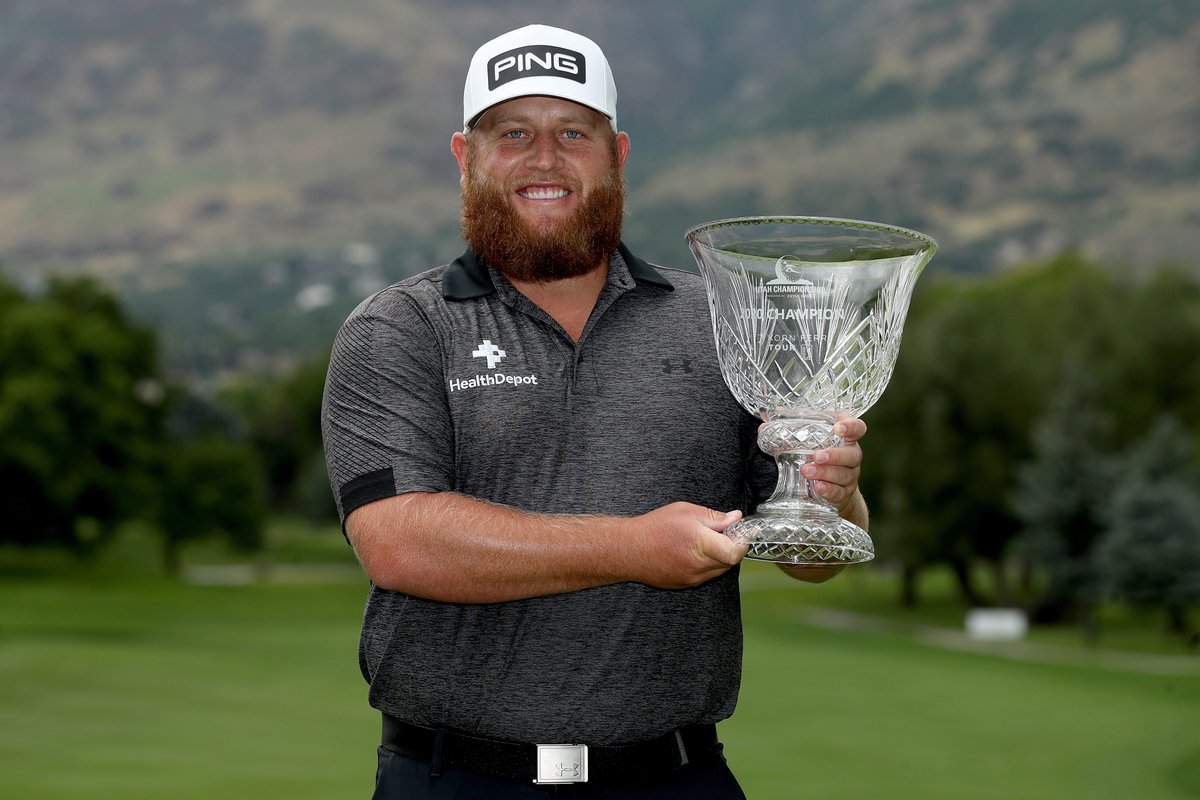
[(642, 271), (467, 276)]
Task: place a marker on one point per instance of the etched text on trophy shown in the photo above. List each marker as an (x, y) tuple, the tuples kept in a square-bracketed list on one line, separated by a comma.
[(793, 314)]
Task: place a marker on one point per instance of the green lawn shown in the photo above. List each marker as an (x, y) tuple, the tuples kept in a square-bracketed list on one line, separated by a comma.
[(116, 683), (844, 714)]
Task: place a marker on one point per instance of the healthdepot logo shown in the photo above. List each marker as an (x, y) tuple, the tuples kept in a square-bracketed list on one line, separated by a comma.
[(493, 355)]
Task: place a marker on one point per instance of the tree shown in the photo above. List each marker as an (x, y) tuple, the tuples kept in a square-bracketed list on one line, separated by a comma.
[(980, 362), (1150, 360), (977, 360), (80, 415), (282, 420), (209, 488), (1061, 496), (1149, 554), (84, 442)]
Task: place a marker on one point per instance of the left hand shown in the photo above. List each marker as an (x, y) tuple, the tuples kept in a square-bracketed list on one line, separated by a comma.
[(835, 471)]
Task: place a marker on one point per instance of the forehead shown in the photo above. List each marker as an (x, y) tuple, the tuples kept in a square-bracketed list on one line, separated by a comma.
[(538, 108)]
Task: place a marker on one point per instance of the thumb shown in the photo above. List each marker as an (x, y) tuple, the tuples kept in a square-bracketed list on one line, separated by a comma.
[(723, 549), (720, 520)]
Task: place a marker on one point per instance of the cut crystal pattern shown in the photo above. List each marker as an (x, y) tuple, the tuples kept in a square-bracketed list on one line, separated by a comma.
[(821, 541), (790, 436), (807, 315)]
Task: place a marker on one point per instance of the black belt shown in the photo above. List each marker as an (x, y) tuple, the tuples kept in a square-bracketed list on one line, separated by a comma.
[(446, 749)]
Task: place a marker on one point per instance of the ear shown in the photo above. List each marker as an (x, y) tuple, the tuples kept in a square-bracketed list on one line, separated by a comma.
[(458, 146), (622, 148)]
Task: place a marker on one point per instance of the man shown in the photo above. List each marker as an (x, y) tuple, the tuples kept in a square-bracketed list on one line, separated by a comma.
[(534, 456)]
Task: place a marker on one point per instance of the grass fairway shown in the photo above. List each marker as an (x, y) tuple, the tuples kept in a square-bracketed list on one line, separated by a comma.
[(119, 684), (835, 714), (145, 689)]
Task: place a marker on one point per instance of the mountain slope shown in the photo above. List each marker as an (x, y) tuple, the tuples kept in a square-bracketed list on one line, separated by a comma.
[(145, 140)]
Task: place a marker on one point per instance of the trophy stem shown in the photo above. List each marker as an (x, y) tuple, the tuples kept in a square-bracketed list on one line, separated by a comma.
[(792, 486), (795, 525)]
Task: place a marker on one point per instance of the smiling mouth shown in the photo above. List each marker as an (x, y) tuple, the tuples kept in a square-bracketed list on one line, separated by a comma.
[(544, 192)]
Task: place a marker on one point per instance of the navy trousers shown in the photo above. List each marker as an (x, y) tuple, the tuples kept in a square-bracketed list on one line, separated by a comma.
[(403, 778)]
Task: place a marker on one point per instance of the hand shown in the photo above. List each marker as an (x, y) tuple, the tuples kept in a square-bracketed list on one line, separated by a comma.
[(835, 474), (682, 544), (835, 471)]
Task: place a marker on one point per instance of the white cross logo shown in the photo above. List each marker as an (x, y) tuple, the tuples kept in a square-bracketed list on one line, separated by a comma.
[(493, 354)]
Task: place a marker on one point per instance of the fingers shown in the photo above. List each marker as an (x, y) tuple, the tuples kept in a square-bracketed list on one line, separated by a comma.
[(834, 476), (722, 549), (720, 520), (831, 481), (684, 545), (835, 471), (851, 429), (836, 494), (847, 456), (839, 466)]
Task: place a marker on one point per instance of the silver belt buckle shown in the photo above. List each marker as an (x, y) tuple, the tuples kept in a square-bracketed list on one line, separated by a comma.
[(562, 763)]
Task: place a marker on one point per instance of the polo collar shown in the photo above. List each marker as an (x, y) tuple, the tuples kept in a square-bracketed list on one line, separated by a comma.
[(467, 277)]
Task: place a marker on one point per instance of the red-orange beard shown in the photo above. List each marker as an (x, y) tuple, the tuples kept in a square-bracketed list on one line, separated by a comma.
[(575, 246)]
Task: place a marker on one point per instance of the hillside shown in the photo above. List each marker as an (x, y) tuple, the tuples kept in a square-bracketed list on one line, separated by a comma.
[(307, 141)]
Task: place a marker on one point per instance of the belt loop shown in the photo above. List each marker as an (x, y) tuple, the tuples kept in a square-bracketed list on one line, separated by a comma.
[(439, 744), (683, 757)]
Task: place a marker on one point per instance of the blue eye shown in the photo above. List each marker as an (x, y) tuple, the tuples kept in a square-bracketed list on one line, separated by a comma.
[(572, 135)]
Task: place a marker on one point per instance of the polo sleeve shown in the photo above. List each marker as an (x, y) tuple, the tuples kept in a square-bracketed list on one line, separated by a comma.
[(385, 421)]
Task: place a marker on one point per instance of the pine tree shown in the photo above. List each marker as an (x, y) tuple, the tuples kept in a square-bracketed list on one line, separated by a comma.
[(1150, 552)]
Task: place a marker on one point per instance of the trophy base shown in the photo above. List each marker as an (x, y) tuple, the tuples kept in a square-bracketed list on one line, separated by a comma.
[(797, 538)]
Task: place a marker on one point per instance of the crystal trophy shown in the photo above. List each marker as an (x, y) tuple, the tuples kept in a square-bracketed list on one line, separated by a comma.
[(807, 313)]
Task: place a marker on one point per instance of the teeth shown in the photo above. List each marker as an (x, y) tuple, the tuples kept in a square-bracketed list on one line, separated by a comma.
[(544, 194)]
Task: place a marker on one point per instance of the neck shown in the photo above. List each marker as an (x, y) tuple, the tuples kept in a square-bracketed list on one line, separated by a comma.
[(569, 301)]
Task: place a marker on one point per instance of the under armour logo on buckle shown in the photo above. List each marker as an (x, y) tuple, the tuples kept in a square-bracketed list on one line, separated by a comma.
[(671, 365), (493, 354), (565, 771)]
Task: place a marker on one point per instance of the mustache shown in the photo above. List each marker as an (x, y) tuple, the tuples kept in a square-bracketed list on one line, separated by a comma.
[(514, 184)]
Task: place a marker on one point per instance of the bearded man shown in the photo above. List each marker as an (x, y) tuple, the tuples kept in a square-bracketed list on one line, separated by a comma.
[(534, 455)]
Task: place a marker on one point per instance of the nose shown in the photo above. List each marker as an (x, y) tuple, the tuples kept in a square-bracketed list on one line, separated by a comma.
[(544, 154)]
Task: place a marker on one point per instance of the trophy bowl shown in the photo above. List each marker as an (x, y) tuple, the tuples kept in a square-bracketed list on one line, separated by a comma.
[(807, 313)]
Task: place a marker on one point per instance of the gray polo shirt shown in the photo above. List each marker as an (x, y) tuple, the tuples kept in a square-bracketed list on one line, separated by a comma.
[(454, 381)]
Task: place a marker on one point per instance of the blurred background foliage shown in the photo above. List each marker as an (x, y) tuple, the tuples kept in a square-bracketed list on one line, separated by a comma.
[(1026, 413), (195, 194), (1039, 430)]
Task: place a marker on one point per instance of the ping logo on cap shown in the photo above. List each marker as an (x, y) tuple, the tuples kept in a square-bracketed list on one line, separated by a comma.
[(536, 61)]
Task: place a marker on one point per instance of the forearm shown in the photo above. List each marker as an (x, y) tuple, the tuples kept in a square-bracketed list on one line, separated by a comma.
[(855, 511), (454, 548)]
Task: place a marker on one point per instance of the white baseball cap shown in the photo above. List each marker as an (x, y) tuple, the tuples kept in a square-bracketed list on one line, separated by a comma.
[(539, 60)]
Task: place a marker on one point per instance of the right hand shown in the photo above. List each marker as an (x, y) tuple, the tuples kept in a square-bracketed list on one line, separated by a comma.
[(682, 544)]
